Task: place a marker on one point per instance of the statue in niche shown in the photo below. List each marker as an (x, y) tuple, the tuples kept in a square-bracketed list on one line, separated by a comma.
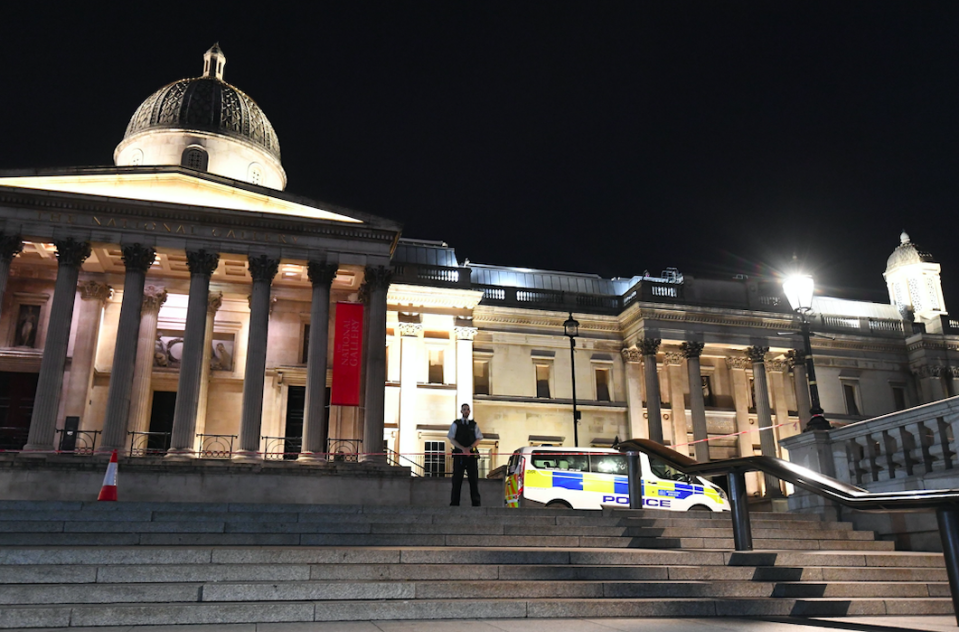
[(27, 320), (222, 358)]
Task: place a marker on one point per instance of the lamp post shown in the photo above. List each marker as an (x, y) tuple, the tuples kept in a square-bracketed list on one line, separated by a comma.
[(799, 292), (571, 328)]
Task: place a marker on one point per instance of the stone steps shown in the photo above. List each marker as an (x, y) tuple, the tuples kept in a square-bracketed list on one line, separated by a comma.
[(84, 615), (116, 564)]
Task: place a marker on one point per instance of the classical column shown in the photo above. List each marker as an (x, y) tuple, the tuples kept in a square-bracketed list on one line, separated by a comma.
[(776, 373), (673, 362), (262, 269), (697, 405), (464, 366), (377, 278), (767, 440), (92, 296), (654, 416), (153, 300), (315, 420), (213, 304), (43, 424), (411, 362), (638, 428), (10, 247), (202, 265), (930, 382), (796, 359), (137, 260)]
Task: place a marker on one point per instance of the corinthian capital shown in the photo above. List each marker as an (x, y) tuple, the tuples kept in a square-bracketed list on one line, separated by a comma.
[(673, 357), (10, 247), (794, 357), (94, 291), (692, 349), (377, 278), (153, 298), (214, 302), (631, 354), (738, 362), (321, 273), (72, 253), (410, 329), (202, 261), (263, 268), (648, 346), (757, 353), (464, 333), (138, 258)]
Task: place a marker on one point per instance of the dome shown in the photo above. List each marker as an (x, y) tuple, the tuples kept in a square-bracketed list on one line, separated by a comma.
[(907, 253), (207, 104), (206, 125)]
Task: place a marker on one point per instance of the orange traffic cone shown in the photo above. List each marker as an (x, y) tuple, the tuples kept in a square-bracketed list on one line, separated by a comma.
[(109, 489)]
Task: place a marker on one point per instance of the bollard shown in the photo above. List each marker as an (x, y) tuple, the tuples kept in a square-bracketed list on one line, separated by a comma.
[(635, 480), (742, 533)]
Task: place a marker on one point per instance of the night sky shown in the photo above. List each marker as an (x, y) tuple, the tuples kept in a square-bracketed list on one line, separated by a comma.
[(605, 137)]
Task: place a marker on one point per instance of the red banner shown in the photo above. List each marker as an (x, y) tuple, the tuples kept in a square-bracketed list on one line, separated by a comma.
[(347, 347)]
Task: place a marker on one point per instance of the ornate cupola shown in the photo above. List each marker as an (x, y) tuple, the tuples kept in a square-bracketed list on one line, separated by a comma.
[(206, 125), (912, 278)]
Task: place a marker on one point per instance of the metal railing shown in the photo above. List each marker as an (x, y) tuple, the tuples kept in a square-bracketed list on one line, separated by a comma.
[(398, 460), (149, 443), (84, 441), (214, 446), (945, 502), (13, 438), (281, 448), (346, 450), (440, 464)]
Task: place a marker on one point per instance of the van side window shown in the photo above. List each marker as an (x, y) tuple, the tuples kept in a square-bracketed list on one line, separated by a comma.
[(608, 464), (663, 471)]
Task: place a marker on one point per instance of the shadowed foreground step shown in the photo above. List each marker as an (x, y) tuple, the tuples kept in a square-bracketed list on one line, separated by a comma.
[(155, 564)]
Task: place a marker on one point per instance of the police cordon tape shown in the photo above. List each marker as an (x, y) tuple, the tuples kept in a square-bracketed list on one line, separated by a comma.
[(340, 456)]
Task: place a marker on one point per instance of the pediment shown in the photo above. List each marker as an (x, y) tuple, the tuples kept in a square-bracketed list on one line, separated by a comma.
[(179, 188)]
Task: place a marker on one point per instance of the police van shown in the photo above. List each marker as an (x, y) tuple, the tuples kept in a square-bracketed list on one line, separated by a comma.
[(593, 478)]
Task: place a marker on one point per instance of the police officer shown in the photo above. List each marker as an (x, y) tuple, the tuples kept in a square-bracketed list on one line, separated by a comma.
[(465, 435)]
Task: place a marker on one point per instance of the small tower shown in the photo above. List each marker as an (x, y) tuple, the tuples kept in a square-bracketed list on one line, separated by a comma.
[(213, 62), (912, 278)]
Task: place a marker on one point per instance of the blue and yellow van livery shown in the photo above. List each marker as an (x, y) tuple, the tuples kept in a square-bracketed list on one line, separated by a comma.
[(593, 478)]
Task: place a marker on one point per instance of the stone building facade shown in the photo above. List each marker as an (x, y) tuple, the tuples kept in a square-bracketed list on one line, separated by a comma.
[(180, 303)]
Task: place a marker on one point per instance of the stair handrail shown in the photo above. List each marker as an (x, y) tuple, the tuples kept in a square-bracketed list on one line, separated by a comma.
[(945, 502), (394, 458)]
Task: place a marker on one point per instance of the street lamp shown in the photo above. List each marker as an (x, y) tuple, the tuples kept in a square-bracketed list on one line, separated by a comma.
[(799, 291), (571, 328)]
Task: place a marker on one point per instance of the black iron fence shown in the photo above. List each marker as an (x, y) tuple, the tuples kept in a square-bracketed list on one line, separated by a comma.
[(149, 443), (78, 442), (213, 446), (344, 449), (281, 448)]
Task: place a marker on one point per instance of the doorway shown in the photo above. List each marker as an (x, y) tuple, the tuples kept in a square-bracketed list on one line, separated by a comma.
[(161, 423), (17, 393), (295, 406)]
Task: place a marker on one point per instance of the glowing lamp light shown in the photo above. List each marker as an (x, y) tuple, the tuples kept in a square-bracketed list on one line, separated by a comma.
[(798, 289), (571, 326)]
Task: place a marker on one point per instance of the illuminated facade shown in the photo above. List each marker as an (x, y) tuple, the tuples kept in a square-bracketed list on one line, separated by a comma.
[(181, 303)]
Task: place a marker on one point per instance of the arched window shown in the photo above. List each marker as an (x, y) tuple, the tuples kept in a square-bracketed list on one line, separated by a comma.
[(256, 174), (194, 158)]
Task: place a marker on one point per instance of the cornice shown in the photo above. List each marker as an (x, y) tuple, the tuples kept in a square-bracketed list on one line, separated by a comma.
[(47, 201), (486, 316), (401, 295)]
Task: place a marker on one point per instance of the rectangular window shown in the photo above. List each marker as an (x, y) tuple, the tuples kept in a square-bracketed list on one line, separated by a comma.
[(542, 381), (306, 344), (481, 377), (602, 385), (434, 458), (899, 397), (708, 398), (850, 393), (436, 366)]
